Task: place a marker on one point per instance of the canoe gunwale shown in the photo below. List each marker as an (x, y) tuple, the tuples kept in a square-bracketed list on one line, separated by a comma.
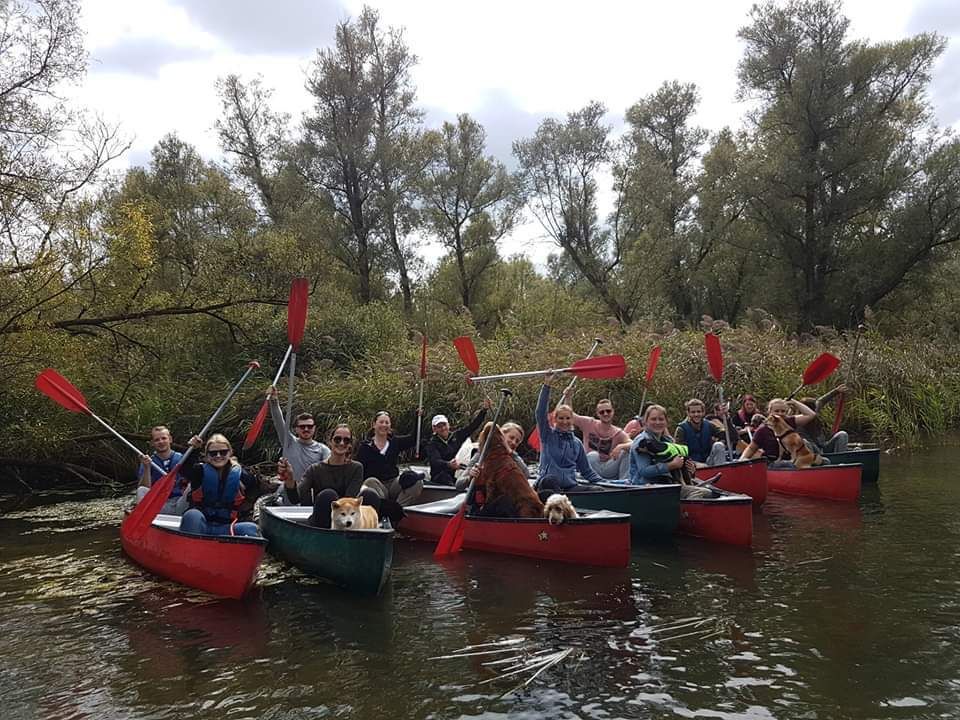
[(367, 534)]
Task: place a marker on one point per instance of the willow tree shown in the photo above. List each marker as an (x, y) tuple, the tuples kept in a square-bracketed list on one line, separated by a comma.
[(846, 175)]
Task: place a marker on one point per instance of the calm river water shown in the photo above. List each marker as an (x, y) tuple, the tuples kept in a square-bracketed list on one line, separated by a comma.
[(837, 612)]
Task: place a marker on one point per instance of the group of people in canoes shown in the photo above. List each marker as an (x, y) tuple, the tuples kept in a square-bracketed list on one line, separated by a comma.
[(215, 494)]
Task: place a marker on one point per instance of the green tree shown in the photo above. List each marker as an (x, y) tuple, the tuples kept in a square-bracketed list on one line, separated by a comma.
[(846, 174)]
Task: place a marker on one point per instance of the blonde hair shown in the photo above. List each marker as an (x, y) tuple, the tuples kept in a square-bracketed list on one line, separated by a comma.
[(777, 400), (650, 409), (693, 402), (221, 440), (511, 426), (564, 406)]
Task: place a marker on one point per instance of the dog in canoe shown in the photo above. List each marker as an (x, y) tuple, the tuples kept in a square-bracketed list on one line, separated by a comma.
[(558, 508), (790, 441), (664, 452), (349, 513), (506, 490)]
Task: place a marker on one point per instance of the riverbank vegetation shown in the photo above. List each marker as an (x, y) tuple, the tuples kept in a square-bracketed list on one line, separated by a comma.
[(150, 288)]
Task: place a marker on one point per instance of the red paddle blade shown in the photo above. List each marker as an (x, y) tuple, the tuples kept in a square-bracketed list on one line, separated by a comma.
[(423, 358), (820, 369), (838, 415), (653, 362), (254, 432), (534, 439), (56, 387), (452, 538), (714, 356), (468, 353), (143, 515), (605, 366), (297, 311)]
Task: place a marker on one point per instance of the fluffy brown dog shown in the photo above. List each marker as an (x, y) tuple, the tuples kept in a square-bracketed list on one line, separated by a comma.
[(501, 476), (558, 508), (800, 455)]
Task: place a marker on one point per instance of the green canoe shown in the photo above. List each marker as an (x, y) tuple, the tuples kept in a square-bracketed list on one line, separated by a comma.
[(358, 560), (868, 457), (654, 510)]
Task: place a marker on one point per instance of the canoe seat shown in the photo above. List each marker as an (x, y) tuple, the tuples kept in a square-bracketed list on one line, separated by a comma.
[(171, 522)]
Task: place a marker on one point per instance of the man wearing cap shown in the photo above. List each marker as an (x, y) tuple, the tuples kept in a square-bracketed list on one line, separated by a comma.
[(443, 445)]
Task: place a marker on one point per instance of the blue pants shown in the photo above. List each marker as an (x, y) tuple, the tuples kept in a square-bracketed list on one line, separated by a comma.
[(193, 521)]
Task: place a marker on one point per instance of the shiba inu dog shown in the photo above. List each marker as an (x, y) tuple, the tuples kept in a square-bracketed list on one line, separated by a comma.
[(558, 508), (350, 513)]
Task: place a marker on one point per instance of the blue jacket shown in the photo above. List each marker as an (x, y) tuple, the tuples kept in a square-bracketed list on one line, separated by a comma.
[(643, 469), (561, 453)]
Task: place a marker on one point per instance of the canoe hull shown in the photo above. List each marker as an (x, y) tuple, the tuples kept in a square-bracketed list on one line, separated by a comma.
[(827, 482), (357, 560), (223, 566), (746, 478), (601, 538), (727, 519), (654, 510), (869, 458)]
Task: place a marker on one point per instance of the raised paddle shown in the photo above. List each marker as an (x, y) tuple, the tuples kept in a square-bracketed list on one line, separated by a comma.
[(467, 353), (838, 415), (534, 439), (423, 377), (257, 425), (819, 370), (142, 516), (451, 540), (605, 366), (715, 361), (652, 363), (296, 322)]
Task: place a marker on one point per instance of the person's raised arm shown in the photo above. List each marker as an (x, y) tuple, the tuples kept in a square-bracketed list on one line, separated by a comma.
[(276, 415), (804, 415), (543, 403)]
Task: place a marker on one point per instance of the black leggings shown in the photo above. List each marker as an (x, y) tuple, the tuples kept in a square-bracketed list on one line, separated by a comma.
[(326, 497)]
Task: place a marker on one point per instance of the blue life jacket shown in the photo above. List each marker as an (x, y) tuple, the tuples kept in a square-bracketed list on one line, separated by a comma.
[(698, 442), (167, 466), (218, 501)]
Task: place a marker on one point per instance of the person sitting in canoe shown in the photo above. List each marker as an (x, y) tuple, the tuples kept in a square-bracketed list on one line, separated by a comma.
[(705, 441), (646, 469), (742, 418), (513, 436), (561, 452), (335, 477), (301, 449), (379, 453), (815, 432), (218, 487), (720, 417), (166, 457), (443, 445), (765, 443), (601, 439)]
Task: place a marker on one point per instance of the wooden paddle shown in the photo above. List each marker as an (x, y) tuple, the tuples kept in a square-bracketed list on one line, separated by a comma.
[(468, 353), (605, 366), (838, 415), (715, 362), (819, 370), (423, 377), (296, 321), (534, 439), (451, 540)]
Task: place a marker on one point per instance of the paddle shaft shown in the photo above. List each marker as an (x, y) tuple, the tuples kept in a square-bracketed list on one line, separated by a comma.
[(283, 364), (726, 426), (504, 393), (126, 442), (420, 416), (539, 373), (838, 417)]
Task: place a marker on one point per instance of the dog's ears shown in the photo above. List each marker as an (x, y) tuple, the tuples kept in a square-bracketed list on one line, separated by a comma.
[(359, 499), (335, 505)]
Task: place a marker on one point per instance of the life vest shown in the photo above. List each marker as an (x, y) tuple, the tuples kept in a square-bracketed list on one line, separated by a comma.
[(700, 441), (167, 466), (672, 450), (219, 502)]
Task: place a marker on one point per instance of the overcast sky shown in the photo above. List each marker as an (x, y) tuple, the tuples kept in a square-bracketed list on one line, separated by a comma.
[(509, 63)]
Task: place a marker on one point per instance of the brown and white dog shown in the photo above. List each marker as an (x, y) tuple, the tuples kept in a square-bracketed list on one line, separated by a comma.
[(350, 513), (800, 455), (501, 476), (558, 508)]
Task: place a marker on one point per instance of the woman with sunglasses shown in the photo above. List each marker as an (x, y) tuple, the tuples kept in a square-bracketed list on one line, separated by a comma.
[(219, 487), (336, 477), (301, 449), (379, 453)]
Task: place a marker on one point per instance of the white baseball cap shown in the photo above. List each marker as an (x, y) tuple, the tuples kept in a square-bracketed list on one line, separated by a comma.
[(437, 419)]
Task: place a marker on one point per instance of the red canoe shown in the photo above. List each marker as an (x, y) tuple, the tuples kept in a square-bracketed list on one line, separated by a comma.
[(595, 538), (747, 478), (727, 519), (220, 565), (827, 482)]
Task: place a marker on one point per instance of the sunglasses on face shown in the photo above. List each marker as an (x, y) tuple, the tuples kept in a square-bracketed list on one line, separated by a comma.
[(305, 427), (217, 453), (608, 411), (338, 440)]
